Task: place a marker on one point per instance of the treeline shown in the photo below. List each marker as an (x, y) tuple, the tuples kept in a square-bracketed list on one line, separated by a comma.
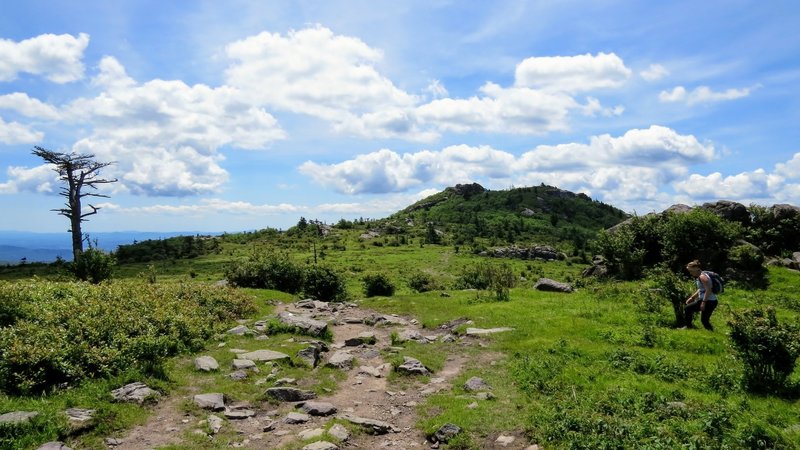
[(179, 247)]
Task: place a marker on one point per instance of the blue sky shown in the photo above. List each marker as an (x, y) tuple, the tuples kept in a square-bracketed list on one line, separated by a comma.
[(227, 116)]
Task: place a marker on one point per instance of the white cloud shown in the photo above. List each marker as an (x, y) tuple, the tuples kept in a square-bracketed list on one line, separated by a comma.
[(16, 133), (41, 179), (27, 106), (626, 169), (654, 73), (702, 94), (572, 74), (437, 89), (312, 71), (56, 57)]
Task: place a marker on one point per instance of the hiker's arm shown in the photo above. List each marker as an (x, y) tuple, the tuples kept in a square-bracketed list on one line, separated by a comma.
[(693, 296)]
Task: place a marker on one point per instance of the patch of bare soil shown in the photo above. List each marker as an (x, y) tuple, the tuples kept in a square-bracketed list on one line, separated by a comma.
[(364, 393)]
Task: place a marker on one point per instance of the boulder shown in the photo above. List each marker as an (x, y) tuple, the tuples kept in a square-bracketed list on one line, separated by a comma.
[(339, 432), (80, 418), (730, 211), (264, 355), (318, 408), (289, 394), (239, 330), (213, 401), (546, 284), (413, 366), (783, 211), (341, 360), (244, 364), (476, 384), (447, 432), (214, 423), (206, 363), (17, 417), (366, 337), (294, 418)]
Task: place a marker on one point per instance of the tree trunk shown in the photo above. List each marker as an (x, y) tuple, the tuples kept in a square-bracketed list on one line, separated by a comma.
[(77, 235)]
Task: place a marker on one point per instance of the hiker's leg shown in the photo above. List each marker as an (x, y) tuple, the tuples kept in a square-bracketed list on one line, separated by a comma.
[(705, 316), (689, 314)]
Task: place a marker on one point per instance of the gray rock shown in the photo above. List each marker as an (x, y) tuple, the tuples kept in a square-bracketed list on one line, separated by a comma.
[(213, 401), (113, 442), (318, 408), (206, 363), (308, 325), (307, 304), (411, 335), (476, 384), (288, 394), (80, 418), (485, 331), (134, 392), (366, 337), (214, 423), (294, 418), (321, 445), (546, 284), (447, 432), (310, 355), (505, 441), (339, 432), (730, 211), (55, 445), (371, 426), (285, 381), (239, 330), (264, 355), (413, 366), (484, 396), (311, 434), (341, 360), (369, 370), (244, 364), (239, 413), (238, 375)]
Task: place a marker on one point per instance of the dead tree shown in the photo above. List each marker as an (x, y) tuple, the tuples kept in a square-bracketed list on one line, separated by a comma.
[(77, 172)]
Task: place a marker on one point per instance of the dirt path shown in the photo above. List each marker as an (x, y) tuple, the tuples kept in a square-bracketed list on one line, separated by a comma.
[(360, 394)]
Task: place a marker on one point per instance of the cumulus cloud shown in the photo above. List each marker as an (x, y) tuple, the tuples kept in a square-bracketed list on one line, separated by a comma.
[(55, 57), (20, 103), (40, 179), (626, 169), (16, 133), (572, 74), (654, 73), (702, 94)]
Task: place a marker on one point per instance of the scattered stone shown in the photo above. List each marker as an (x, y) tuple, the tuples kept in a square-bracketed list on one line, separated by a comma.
[(238, 375), (213, 401), (353, 320), (484, 331), (113, 442), (411, 335), (505, 441), (269, 425), (55, 445), (341, 360), (369, 370), (532, 447), (214, 423), (206, 363), (484, 396), (476, 384), (472, 405), (307, 304), (238, 351), (339, 432), (321, 445), (413, 366), (134, 392), (245, 364), (318, 408), (239, 330), (446, 432), (311, 434), (239, 413), (370, 354), (366, 337), (371, 426), (264, 355), (287, 394), (285, 381), (80, 418), (294, 418), (546, 284), (306, 324)]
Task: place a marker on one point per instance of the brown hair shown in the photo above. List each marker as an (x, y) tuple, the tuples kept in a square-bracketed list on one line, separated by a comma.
[(693, 265)]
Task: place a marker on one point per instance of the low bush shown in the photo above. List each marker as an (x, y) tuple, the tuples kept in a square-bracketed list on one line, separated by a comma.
[(72, 331), (378, 284), (484, 276), (769, 350), (270, 271), (325, 284), (93, 265), (422, 282)]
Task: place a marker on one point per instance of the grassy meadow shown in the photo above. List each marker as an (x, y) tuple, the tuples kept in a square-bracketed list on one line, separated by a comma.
[(601, 368)]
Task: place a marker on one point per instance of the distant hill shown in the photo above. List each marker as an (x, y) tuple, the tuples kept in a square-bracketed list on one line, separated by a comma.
[(540, 214), (46, 247)]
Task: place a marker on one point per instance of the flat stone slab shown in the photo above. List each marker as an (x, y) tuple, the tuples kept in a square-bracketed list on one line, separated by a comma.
[(244, 364), (55, 445), (476, 384), (289, 394), (309, 326), (371, 426), (311, 434), (371, 371), (17, 417), (239, 330), (341, 360), (294, 418), (339, 432), (485, 331), (239, 414), (134, 392), (214, 423), (264, 355), (366, 337), (321, 445)]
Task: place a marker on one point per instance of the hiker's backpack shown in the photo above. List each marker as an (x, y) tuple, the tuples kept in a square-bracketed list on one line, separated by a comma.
[(717, 282)]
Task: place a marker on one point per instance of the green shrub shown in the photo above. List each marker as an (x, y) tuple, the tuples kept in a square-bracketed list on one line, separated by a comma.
[(269, 271), (73, 331), (747, 266), (484, 276), (422, 282), (768, 349), (93, 265), (324, 283), (378, 284), (668, 286)]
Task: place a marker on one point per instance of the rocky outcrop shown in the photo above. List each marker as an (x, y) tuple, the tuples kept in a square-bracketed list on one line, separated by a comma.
[(536, 252), (134, 393), (730, 211), (413, 366), (306, 324)]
